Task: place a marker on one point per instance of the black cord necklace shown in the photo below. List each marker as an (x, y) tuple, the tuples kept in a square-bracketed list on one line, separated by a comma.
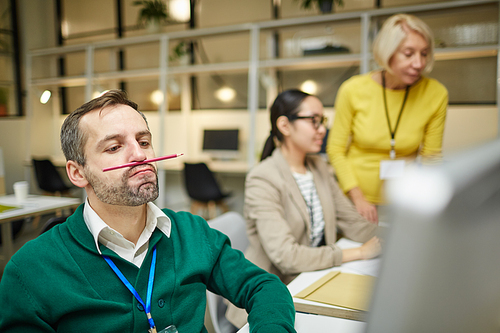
[(391, 132)]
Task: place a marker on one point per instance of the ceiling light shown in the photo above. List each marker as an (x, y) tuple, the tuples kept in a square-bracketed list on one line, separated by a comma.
[(310, 87), (45, 96), (179, 10), (156, 97), (225, 94), (65, 29)]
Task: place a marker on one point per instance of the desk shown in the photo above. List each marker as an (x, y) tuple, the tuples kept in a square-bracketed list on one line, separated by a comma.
[(307, 323), (304, 322), (34, 205)]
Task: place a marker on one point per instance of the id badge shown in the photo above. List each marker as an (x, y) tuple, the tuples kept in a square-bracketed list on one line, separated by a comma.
[(390, 169), (169, 329)]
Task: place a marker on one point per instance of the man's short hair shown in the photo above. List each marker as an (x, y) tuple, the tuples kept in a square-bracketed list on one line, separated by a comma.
[(394, 31), (73, 139)]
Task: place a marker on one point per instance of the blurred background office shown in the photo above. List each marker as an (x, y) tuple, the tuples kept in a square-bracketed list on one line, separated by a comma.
[(216, 65)]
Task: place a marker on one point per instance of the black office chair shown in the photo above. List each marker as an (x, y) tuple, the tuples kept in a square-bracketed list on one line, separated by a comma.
[(48, 178), (203, 189), (52, 222)]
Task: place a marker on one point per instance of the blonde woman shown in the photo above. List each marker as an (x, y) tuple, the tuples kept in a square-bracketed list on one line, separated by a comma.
[(388, 117)]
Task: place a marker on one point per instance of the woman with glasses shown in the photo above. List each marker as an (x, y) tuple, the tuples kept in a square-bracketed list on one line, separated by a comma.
[(293, 205), (387, 117)]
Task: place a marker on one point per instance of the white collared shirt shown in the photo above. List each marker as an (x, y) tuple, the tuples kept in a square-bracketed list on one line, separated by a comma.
[(112, 239)]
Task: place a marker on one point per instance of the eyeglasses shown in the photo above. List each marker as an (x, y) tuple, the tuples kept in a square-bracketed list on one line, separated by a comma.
[(316, 120)]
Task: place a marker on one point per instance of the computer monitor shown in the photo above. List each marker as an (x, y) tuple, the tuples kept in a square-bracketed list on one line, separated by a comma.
[(221, 143), (440, 268)]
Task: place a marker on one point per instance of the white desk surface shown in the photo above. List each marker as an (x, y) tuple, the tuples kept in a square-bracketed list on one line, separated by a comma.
[(310, 323), (35, 204), (305, 323)]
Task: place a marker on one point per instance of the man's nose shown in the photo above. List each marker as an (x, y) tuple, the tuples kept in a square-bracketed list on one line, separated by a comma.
[(137, 153)]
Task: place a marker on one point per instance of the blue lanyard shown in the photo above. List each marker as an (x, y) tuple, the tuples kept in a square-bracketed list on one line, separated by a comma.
[(146, 306)]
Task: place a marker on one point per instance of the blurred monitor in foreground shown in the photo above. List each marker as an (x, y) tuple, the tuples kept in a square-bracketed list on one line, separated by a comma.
[(221, 143), (441, 263)]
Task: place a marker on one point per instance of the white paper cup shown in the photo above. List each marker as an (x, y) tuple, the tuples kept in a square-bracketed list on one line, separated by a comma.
[(21, 190)]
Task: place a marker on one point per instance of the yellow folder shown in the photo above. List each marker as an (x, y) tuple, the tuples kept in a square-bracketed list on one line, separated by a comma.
[(347, 290), (4, 208)]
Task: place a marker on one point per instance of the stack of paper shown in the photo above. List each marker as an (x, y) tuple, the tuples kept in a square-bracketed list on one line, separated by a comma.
[(346, 290)]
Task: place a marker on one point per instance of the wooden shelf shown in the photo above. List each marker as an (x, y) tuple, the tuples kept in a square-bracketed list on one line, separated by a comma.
[(69, 81), (310, 62), (468, 52), (306, 62)]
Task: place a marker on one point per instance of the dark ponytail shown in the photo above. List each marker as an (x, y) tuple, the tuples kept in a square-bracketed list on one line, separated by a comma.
[(286, 104), (269, 147)]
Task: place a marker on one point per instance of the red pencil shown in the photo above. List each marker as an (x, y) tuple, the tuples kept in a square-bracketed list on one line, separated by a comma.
[(142, 162)]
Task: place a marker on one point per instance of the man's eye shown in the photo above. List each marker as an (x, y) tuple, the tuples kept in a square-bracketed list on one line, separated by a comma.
[(144, 143), (112, 149)]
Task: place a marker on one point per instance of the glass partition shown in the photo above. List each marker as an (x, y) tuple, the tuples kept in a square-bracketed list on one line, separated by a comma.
[(469, 81)]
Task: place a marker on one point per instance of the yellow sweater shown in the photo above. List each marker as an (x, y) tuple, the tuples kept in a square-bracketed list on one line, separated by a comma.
[(360, 137)]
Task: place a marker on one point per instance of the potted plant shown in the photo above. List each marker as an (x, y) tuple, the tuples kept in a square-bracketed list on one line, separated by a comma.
[(326, 6), (152, 14), (181, 53)]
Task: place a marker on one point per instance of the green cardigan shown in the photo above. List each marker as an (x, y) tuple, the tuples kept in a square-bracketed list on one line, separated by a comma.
[(58, 282)]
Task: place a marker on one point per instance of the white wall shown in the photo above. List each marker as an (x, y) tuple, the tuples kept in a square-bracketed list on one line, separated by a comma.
[(469, 126)]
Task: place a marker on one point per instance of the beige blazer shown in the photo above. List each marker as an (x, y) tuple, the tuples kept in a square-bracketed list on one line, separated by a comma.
[(279, 226)]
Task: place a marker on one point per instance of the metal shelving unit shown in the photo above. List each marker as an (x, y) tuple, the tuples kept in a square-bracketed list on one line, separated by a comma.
[(254, 63)]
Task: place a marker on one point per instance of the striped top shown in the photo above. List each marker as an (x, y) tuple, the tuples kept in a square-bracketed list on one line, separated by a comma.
[(305, 182)]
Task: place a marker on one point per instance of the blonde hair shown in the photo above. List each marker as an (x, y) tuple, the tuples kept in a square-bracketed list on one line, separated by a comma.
[(394, 31)]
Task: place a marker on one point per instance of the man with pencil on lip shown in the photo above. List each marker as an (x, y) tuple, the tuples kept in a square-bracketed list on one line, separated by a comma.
[(119, 263)]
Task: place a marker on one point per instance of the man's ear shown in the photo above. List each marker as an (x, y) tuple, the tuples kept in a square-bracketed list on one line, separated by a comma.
[(283, 125), (75, 174)]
